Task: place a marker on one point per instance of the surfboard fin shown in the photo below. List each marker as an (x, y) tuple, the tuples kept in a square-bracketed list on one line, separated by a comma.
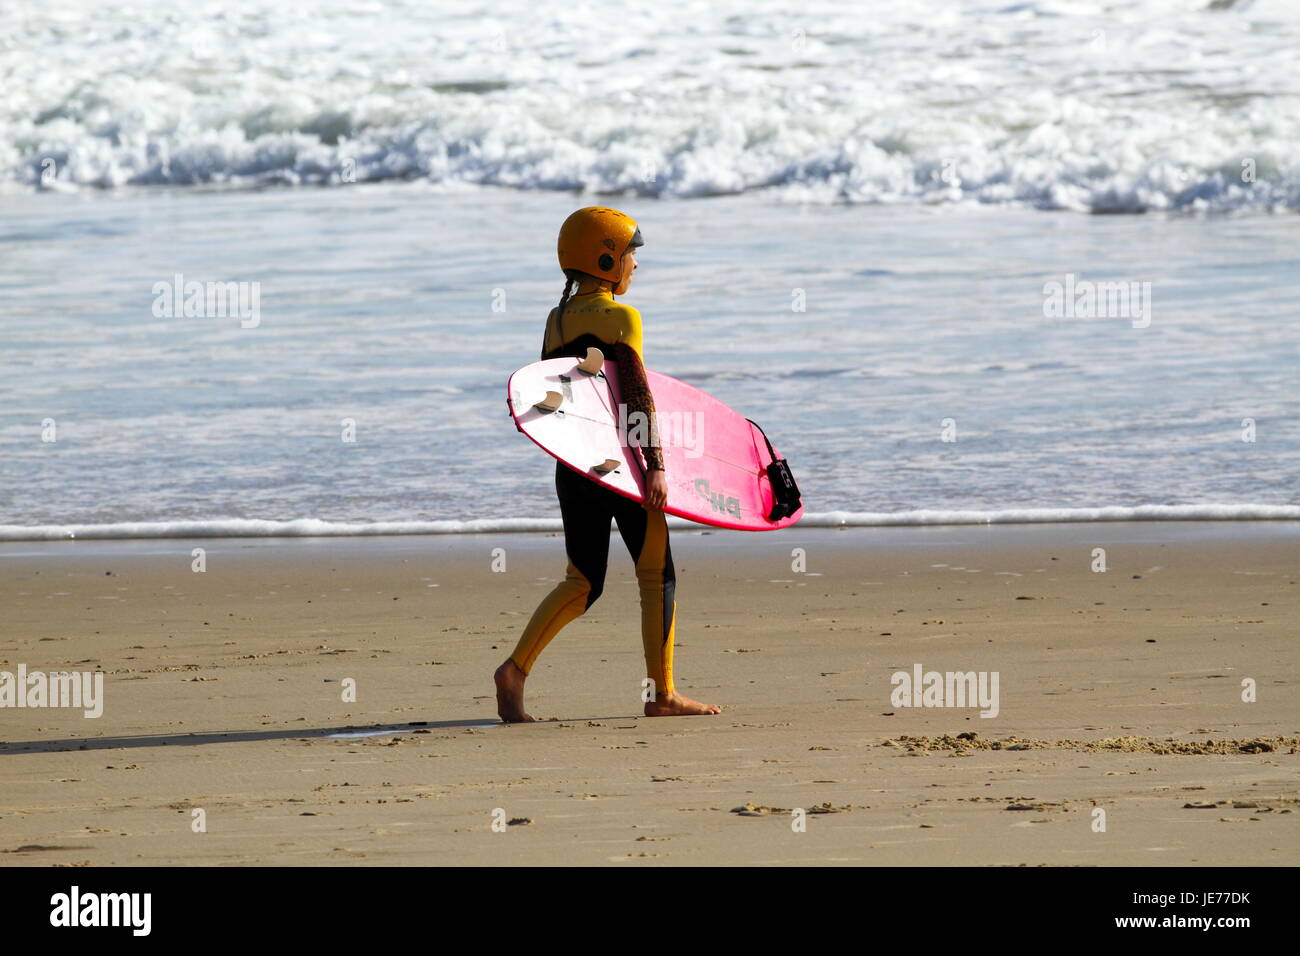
[(609, 465), (592, 363), (550, 403)]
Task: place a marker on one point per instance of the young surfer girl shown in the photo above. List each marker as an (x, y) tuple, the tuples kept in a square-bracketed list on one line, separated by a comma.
[(597, 250)]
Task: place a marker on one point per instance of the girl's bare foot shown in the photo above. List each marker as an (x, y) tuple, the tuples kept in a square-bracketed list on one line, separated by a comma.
[(676, 705), (510, 693)]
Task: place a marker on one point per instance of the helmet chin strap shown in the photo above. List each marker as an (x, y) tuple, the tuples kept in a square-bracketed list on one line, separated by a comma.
[(614, 283), (622, 262), (632, 243)]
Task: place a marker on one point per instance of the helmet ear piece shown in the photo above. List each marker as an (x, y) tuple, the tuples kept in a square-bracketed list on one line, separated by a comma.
[(606, 262)]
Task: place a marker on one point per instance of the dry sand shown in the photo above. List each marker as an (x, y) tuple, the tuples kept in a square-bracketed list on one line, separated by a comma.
[(1119, 690)]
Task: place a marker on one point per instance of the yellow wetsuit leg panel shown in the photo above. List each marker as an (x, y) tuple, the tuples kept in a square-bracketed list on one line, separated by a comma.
[(567, 600), (656, 581), (587, 510)]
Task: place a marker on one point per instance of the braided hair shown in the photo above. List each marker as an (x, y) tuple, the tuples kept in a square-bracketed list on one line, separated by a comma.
[(571, 278)]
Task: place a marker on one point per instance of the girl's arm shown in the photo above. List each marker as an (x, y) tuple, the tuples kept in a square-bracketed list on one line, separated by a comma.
[(638, 398)]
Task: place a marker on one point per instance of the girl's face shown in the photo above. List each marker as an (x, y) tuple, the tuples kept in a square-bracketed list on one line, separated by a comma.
[(629, 267)]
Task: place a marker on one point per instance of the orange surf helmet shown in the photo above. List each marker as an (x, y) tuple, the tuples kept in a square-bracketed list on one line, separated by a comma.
[(594, 239)]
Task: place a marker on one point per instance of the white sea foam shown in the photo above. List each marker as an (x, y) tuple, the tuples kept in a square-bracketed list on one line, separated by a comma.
[(1116, 105), (248, 528), (1207, 512), (312, 527)]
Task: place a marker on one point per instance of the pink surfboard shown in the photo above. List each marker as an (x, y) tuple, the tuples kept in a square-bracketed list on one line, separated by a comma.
[(715, 460)]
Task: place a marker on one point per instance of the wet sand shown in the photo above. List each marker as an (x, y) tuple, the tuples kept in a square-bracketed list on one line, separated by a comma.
[(1119, 690)]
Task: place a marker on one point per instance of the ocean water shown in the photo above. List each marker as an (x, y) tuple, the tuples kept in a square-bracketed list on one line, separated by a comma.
[(854, 226)]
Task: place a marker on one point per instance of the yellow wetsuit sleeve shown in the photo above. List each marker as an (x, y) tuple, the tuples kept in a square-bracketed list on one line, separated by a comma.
[(631, 332)]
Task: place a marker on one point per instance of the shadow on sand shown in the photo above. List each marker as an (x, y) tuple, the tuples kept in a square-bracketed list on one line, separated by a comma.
[(11, 747)]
